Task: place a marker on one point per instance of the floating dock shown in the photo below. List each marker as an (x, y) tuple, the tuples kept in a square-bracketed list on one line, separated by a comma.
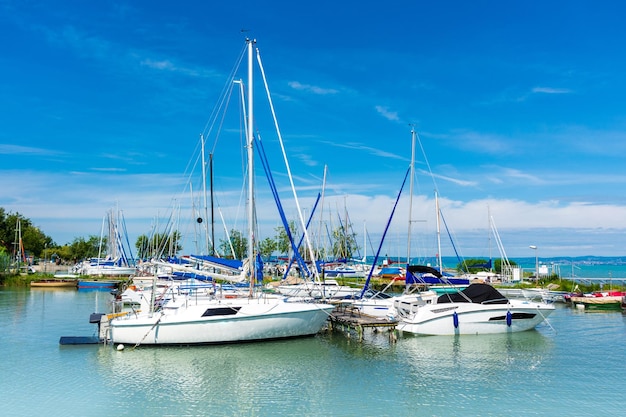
[(348, 317)]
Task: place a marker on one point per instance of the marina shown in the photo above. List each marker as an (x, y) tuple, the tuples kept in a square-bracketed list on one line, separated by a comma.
[(280, 258), (535, 372)]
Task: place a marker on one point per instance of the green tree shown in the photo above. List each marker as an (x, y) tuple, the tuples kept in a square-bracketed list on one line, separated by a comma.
[(267, 247), (5, 259), (239, 244), (33, 239), (84, 249), (344, 243), (64, 252), (478, 264), (283, 245), (158, 245), (497, 265)]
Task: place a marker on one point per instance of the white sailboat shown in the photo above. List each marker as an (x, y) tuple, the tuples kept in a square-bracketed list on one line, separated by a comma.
[(119, 260), (188, 320)]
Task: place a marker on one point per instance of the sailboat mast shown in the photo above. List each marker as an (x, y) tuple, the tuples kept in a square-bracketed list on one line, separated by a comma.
[(440, 263), (212, 253), (250, 138), (489, 237), (408, 244), (205, 214)]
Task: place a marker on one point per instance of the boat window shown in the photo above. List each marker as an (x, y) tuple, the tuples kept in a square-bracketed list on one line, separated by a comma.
[(514, 316), (221, 311)]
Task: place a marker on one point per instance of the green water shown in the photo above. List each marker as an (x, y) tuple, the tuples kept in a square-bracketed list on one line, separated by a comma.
[(576, 369)]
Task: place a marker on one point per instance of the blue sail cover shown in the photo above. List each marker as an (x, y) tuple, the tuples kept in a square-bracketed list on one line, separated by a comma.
[(228, 263), (259, 268), (420, 274)]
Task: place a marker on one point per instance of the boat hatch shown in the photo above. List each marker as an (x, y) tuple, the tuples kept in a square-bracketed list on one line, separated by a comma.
[(220, 311), (514, 316)]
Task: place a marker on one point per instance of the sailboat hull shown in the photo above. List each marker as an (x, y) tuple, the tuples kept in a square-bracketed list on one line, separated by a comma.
[(221, 321), (475, 318)]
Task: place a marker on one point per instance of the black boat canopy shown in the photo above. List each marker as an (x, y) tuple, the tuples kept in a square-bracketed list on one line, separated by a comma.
[(475, 293)]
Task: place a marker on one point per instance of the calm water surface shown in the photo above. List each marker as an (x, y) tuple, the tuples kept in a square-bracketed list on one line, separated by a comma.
[(575, 367)]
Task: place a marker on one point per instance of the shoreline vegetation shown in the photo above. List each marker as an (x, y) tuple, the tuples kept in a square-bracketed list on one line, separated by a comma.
[(554, 282)]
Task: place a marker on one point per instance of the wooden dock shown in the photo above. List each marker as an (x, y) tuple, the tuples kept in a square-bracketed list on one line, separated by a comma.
[(351, 318)]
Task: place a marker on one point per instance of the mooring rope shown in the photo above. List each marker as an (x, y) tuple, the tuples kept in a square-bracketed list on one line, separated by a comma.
[(148, 332)]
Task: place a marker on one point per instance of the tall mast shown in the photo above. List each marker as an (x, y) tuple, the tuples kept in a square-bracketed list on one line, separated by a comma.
[(205, 214), (408, 245), (250, 139), (212, 253), (440, 263)]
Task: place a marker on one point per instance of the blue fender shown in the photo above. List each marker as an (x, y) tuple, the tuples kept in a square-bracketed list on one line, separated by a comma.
[(455, 319), (509, 318)]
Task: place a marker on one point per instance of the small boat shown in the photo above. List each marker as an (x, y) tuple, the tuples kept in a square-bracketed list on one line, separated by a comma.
[(344, 272), (394, 273), (97, 285), (54, 283), (600, 301)]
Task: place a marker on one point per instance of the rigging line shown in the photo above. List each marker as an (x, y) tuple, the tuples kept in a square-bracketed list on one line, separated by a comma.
[(353, 234), (318, 244), (293, 188), (221, 123), (458, 257), (297, 248), (281, 211), (430, 171), (208, 127), (369, 276)]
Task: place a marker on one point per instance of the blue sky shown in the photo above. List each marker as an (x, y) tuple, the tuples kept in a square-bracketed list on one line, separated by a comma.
[(519, 107)]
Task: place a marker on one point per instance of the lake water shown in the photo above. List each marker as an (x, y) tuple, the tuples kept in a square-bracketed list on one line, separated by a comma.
[(575, 366)]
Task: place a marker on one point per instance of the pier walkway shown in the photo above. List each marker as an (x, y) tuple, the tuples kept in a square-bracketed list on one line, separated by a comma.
[(351, 318)]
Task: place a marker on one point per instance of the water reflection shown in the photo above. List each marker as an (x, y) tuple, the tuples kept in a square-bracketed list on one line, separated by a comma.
[(474, 353), (222, 380)]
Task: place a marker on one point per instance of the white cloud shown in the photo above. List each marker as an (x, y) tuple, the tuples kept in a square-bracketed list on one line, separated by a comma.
[(71, 205), (311, 88), (9, 149), (160, 65), (551, 90), (373, 151), (387, 114)]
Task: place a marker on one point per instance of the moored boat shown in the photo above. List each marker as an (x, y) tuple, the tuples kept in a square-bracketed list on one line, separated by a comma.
[(187, 320), (328, 288), (478, 309), (219, 321), (104, 285), (54, 283), (610, 301)]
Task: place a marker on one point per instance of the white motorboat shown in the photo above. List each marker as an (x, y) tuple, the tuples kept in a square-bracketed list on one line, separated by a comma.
[(478, 309)]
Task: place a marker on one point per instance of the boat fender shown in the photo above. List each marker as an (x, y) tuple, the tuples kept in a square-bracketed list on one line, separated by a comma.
[(455, 319), (509, 318)]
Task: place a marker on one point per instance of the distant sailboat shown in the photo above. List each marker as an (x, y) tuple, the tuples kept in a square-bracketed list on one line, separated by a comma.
[(20, 262), (119, 260)]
